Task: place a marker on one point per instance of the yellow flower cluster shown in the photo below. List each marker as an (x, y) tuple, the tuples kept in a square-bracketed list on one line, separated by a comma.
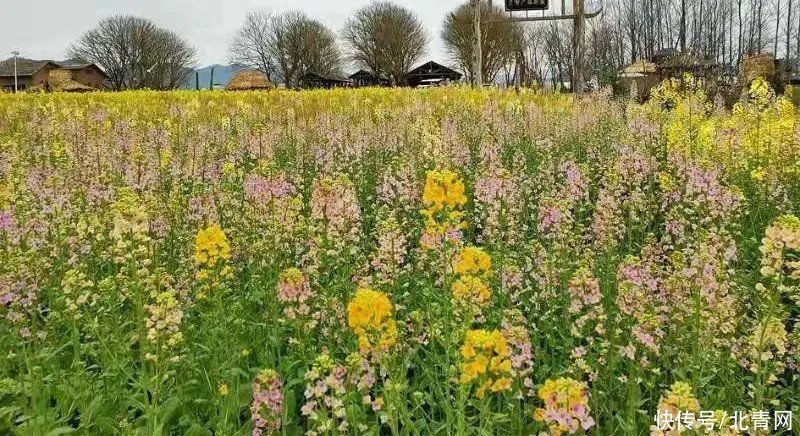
[(679, 398), (164, 323), (130, 228), (485, 359), (369, 315), (129, 215), (443, 197), (763, 124), (686, 126), (782, 238), (78, 292), (471, 290), (211, 246), (443, 189), (472, 261), (768, 342), (566, 406)]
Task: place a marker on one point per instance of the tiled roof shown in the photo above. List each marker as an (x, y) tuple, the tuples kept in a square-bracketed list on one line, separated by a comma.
[(25, 67), (73, 64), (29, 67), (432, 69)]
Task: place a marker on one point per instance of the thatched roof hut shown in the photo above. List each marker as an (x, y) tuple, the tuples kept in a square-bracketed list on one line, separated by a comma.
[(639, 68), (639, 78), (249, 80), (757, 65), (671, 63)]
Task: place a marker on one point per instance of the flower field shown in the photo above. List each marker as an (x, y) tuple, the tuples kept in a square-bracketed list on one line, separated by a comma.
[(398, 262)]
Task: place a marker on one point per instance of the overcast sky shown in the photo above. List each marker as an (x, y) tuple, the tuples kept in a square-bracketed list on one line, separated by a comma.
[(45, 29)]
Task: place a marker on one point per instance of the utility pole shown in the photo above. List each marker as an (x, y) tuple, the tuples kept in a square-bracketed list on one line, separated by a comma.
[(477, 52), (16, 80), (578, 46), (578, 17)]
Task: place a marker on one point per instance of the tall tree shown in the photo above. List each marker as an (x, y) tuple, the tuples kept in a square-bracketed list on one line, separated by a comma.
[(385, 38), (302, 45), (501, 39), (135, 53), (251, 45), (286, 46)]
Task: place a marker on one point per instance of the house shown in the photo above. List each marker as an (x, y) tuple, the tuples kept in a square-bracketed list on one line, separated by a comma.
[(363, 78), (640, 76), (72, 75), (431, 74), (671, 63), (315, 80)]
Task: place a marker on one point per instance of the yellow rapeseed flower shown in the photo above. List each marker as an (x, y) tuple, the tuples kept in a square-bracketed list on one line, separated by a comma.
[(443, 189), (211, 246), (471, 290), (485, 359), (472, 261), (566, 406), (369, 315)]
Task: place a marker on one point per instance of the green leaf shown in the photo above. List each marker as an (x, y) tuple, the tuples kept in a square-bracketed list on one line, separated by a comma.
[(60, 430), (197, 430)]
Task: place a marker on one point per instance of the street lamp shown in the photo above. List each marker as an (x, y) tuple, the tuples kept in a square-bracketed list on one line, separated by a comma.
[(16, 84)]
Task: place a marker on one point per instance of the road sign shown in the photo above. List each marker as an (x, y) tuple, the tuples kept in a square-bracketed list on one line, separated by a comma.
[(526, 5)]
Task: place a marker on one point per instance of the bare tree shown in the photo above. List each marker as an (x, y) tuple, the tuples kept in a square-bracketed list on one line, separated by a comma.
[(301, 45), (532, 56), (501, 39), (385, 38), (251, 45), (286, 46), (135, 53)]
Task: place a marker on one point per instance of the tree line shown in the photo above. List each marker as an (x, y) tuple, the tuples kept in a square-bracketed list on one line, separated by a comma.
[(387, 39), (716, 32)]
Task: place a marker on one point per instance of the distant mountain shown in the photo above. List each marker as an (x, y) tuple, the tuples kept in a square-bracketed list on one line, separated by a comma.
[(222, 75)]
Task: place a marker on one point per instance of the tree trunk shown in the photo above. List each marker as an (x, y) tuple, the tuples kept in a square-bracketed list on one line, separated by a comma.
[(789, 30), (477, 52), (741, 29), (682, 32), (730, 37), (777, 28), (578, 47), (797, 51), (760, 22)]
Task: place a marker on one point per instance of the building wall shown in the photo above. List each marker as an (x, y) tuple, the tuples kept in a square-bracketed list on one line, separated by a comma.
[(24, 82), (89, 77), (41, 76), (85, 76), (7, 83)]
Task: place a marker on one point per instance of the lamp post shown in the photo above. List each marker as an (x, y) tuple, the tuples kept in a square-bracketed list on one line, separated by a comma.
[(16, 83)]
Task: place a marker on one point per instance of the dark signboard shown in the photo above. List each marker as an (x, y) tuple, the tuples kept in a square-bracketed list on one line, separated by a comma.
[(526, 5)]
